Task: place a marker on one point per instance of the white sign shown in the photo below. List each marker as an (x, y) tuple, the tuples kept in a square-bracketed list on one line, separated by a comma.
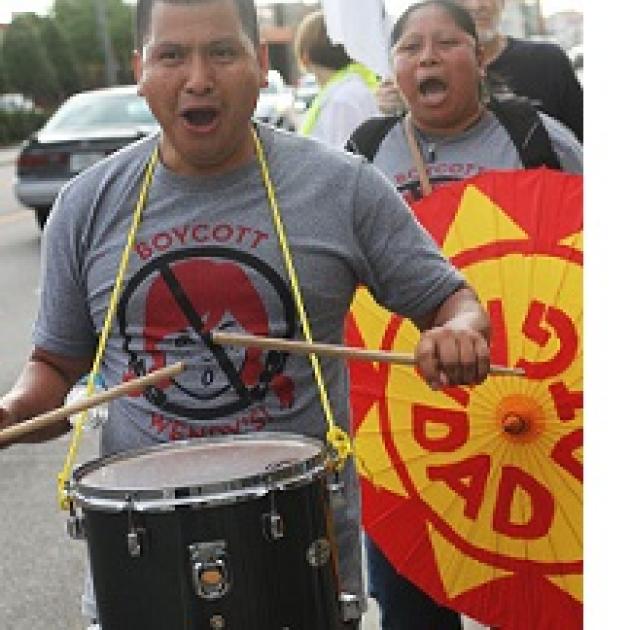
[(363, 27)]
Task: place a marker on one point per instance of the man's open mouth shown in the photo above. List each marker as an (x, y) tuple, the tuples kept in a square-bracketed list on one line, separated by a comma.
[(432, 87), (200, 116)]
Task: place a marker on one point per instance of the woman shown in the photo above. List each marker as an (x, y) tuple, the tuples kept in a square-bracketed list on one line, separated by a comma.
[(347, 88), (453, 130)]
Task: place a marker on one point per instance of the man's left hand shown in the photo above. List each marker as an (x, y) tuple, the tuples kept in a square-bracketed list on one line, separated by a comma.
[(447, 356)]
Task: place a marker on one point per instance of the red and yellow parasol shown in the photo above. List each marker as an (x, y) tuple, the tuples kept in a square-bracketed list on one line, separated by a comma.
[(475, 494)]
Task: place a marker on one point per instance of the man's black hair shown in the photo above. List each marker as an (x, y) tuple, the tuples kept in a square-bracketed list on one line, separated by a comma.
[(246, 10), (459, 14)]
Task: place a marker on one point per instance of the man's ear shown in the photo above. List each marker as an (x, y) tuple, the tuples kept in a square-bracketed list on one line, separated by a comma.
[(263, 62), (137, 68)]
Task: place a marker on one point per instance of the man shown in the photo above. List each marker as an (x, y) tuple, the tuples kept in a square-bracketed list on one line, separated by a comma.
[(540, 71), (200, 65)]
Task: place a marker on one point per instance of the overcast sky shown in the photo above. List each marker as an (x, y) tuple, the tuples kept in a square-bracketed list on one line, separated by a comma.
[(42, 6)]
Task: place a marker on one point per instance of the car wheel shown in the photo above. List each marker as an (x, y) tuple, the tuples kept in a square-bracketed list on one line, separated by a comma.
[(41, 215)]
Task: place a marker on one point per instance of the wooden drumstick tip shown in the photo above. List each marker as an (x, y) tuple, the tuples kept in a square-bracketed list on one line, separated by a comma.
[(16, 431)]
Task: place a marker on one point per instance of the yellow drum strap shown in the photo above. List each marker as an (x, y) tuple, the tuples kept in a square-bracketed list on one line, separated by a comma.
[(337, 438), (64, 476)]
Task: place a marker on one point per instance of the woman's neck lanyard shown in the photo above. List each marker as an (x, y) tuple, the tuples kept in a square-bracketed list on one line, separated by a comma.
[(416, 155), (337, 438)]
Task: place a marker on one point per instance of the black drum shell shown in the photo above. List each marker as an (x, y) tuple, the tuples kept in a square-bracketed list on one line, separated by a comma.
[(273, 584)]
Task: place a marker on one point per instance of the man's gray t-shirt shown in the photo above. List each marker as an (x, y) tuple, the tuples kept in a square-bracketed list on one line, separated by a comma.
[(207, 256)]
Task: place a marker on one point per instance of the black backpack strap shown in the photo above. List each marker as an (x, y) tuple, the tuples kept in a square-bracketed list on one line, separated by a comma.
[(525, 127), (367, 137)]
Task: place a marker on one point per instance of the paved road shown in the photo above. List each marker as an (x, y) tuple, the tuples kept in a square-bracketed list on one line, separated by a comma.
[(40, 567)]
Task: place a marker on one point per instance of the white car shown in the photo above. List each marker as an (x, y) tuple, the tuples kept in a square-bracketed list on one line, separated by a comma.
[(87, 127), (276, 103)]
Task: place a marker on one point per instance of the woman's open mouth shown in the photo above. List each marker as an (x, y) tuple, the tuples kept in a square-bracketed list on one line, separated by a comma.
[(432, 90)]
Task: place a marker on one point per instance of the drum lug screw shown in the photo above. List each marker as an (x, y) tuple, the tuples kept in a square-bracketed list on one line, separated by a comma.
[(75, 525), (318, 553), (335, 489), (273, 526), (135, 534), (272, 523), (134, 543), (217, 622), (350, 607)]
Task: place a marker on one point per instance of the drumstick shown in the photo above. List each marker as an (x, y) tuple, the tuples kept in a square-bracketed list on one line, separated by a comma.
[(51, 417), (332, 350)]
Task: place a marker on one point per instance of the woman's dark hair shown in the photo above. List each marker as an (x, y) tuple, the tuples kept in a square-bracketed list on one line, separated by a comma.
[(460, 16), (246, 10), (311, 38)]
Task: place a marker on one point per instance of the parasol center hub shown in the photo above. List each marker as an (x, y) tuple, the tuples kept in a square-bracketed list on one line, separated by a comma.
[(520, 417), (515, 424)]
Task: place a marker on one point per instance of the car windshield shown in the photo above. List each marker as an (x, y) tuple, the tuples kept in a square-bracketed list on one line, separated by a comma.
[(89, 111)]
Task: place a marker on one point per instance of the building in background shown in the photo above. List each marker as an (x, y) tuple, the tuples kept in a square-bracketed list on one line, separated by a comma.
[(521, 18), (278, 22), (524, 18), (566, 28), (513, 20)]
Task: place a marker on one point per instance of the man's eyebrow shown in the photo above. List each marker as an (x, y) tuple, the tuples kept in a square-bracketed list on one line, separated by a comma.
[(219, 41), (156, 43)]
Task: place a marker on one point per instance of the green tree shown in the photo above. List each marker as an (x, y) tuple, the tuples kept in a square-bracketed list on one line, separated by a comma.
[(77, 20), (4, 83), (61, 56), (22, 49), (121, 23)]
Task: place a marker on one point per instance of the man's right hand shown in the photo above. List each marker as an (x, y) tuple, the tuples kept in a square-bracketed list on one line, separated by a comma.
[(6, 418), (42, 386)]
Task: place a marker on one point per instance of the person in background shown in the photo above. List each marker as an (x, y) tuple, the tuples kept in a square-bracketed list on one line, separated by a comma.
[(346, 95), (453, 130), (540, 71), (207, 255)]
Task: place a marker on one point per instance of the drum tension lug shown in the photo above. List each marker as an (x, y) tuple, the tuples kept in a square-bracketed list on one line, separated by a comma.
[(349, 607), (135, 534), (75, 525), (272, 522), (335, 490)]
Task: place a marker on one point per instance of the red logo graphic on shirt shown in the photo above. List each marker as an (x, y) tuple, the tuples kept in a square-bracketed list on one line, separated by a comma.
[(182, 297)]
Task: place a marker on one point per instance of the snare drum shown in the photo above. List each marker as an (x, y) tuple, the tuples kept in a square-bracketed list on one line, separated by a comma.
[(231, 533)]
